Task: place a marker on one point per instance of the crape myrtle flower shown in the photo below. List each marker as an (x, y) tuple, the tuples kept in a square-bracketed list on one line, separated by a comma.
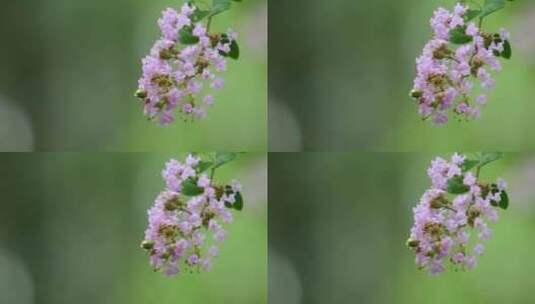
[(184, 65), (454, 213), (186, 222), (459, 57)]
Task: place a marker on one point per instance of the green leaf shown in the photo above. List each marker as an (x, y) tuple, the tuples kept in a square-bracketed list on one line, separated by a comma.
[(492, 6), (484, 159), (234, 50), (222, 158), (199, 15), (507, 51), (469, 164), (504, 200), (203, 166), (238, 204), (186, 36), (471, 15), (456, 186), (489, 157), (190, 188), (458, 35), (219, 6)]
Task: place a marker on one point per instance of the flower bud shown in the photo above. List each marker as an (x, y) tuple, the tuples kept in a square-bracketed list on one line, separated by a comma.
[(416, 94), (147, 245), (412, 243), (141, 94), (442, 52), (173, 204), (167, 54)]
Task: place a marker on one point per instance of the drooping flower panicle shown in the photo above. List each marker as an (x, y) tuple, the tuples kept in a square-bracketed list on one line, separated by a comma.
[(457, 206), (459, 56), (187, 218), (181, 69)]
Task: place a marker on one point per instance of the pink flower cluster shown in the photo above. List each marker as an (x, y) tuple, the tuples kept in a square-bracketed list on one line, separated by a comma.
[(445, 73), (444, 222), (181, 67), (186, 221)]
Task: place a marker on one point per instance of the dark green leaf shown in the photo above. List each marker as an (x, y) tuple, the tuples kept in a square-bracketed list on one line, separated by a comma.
[(458, 35), (234, 50), (238, 204), (456, 186), (469, 164), (222, 158), (186, 36), (190, 188), (504, 200), (203, 166), (507, 51)]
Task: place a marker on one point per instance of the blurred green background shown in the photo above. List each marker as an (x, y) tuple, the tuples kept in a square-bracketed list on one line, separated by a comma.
[(338, 223), (340, 72), (70, 69), (71, 224)]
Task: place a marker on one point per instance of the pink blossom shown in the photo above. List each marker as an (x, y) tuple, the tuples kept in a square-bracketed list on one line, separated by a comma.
[(179, 223), (444, 221), (445, 71), (174, 74)]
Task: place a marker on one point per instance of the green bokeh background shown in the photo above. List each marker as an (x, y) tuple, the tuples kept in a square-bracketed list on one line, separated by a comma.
[(71, 224), (70, 69), (341, 73), (338, 223)]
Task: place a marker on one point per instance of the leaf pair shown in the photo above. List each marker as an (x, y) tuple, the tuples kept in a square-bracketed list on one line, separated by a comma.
[(458, 36), (190, 188), (483, 159), (186, 37), (492, 6), (218, 6), (456, 184), (220, 159)]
